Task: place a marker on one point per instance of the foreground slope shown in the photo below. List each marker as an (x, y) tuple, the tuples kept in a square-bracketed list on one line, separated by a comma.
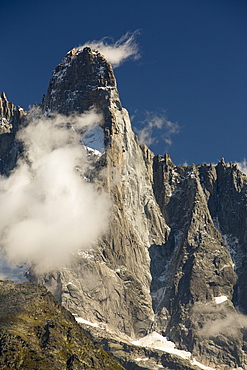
[(38, 333), (189, 261)]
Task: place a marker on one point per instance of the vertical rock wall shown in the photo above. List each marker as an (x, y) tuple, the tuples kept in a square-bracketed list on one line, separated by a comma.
[(111, 284)]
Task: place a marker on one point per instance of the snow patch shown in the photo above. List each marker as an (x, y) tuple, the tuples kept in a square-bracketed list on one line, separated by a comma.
[(234, 249), (94, 139), (82, 321), (101, 69), (108, 87), (86, 254), (194, 362), (220, 299), (142, 359), (93, 152), (155, 340)]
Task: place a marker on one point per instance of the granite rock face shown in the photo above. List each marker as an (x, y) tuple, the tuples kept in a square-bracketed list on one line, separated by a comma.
[(112, 283), (174, 257)]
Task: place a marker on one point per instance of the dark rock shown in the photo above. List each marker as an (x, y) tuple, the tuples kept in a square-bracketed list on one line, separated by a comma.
[(10, 120)]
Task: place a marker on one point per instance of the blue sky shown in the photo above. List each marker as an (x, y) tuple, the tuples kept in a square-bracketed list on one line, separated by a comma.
[(192, 69)]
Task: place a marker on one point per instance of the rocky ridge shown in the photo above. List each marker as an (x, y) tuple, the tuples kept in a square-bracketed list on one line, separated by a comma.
[(174, 257), (197, 278)]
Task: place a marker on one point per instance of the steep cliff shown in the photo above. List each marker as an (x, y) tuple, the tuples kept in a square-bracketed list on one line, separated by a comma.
[(110, 284), (198, 274)]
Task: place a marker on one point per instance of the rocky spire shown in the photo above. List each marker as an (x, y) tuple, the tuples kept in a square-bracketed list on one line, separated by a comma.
[(83, 79), (122, 299)]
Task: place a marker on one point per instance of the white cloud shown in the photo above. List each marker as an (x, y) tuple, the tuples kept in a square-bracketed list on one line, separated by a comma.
[(242, 166), (149, 135), (228, 325), (116, 52), (48, 211), (219, 319)]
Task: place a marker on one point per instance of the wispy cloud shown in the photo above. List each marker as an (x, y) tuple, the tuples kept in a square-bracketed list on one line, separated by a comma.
[(48, 210), (242, 166), (218, 319), (156, 127), (228, 325), (117, 52)]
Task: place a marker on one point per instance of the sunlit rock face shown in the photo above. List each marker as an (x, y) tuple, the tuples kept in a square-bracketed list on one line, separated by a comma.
[(10, 118), (111, 283)]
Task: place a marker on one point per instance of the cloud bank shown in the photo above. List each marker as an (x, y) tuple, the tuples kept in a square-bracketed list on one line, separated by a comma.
[(48, 210), (117, 52), (156, 128), (219, 320)]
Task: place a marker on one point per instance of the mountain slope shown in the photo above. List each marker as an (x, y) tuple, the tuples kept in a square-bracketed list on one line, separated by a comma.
[(38, 333)]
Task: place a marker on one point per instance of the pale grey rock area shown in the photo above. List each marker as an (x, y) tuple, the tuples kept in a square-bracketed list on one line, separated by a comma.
[(174, 257)]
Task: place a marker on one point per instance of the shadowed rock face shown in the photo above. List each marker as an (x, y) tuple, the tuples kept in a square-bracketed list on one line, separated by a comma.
[(10, 119), (174, 257), (205, 208)]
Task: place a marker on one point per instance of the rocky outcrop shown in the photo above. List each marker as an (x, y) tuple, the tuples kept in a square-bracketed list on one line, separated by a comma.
[(38, 333), (10, 120)]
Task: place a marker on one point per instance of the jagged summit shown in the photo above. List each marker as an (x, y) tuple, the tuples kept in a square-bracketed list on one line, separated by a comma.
[(83, 79)]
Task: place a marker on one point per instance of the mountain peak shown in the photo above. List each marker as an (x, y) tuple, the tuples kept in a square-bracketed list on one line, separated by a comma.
[(83, 79)]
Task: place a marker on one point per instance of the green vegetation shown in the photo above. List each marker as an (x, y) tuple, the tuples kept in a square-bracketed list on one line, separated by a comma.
[(36, 332)]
